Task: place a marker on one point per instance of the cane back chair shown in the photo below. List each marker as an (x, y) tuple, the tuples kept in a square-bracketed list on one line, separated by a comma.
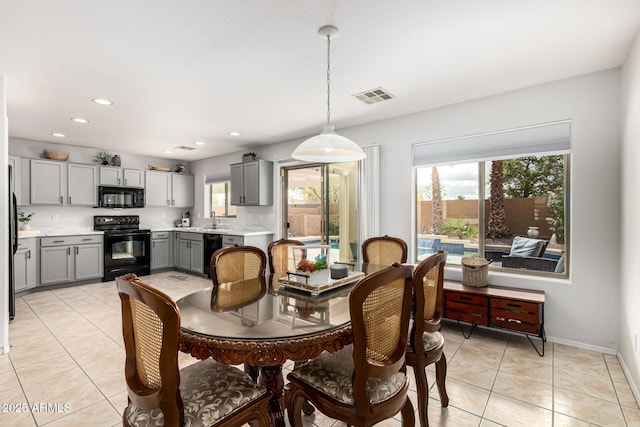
[(159, 394), (278, 251), (366, 382), (237, 263), (384, 250), (426, 343)]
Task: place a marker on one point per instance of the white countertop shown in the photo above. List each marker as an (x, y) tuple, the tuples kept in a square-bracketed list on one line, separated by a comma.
[(247, 230)]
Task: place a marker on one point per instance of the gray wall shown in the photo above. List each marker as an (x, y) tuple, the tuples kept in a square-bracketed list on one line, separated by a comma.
[(630, 203)]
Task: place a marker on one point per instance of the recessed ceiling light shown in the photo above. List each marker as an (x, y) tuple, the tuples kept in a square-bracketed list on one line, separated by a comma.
[(58, 135), (80, 120), (167, 151), (102, 101), (234, 133), (199, 142)]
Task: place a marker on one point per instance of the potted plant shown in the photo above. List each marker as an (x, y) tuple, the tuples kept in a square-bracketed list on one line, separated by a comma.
[(178, 167), (247, 157), (24, 220), (103, 157)]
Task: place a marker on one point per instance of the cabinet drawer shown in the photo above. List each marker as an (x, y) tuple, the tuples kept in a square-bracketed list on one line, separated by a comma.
[(515, 325), (70, 240), (515, 315), (160, 235), (190, 236), (26, 244), (514, 305), (477, 318), (232, 240), (466, 298)]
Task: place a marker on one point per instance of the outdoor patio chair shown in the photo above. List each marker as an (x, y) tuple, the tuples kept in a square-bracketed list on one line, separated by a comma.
[(528, 253)]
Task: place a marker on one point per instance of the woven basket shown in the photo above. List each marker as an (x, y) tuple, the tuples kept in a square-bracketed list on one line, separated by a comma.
[(55, 154), (475, 271)]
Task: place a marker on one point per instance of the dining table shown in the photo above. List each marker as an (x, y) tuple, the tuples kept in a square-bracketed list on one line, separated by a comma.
[(263, 322)]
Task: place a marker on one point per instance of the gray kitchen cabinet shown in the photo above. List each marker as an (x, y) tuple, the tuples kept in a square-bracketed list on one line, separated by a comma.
[(121, 177), (71, 258), (24, 264), (168, 189), (191, 252), (15, 164), (260, 241), (47, 182), (81, 185), (161, 255), (252, 183), (63, 184)]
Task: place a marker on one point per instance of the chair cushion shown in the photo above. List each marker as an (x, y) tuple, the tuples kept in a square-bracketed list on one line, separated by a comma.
[(432, 340), (331, 374), (523, 246), (210, 391)]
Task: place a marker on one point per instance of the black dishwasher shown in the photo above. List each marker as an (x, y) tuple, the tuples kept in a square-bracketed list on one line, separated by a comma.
[(212, 242)]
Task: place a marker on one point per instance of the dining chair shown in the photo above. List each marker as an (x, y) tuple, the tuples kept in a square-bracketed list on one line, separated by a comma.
[(384, 250), (237, 263), (365, 382), (426, 343), (159, 393), (234, 264), (278, 252)]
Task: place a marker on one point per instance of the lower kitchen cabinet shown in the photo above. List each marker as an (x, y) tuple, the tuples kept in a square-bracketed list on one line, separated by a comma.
[(191, 252), (161, 255), (24, 264), (261, 241), (71, 258)]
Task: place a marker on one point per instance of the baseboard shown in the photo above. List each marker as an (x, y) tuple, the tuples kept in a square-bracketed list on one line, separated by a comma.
[(583, 345), (632, 384)]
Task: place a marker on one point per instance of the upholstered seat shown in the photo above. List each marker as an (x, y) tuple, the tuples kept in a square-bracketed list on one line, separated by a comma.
[(210, 391), (426, 343), (366, 382), (384, 250), (203, 394)]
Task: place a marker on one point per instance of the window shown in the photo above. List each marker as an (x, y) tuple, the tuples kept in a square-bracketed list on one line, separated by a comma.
[(217, 197), (509, 208)]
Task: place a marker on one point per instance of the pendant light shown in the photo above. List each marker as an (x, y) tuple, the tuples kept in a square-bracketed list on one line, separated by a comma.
[(328, 147)]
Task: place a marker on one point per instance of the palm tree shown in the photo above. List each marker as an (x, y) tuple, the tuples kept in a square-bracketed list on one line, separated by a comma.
[(436, 202), (497, 227)]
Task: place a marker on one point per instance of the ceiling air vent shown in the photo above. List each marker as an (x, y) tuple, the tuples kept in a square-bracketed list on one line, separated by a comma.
[(184, 147), (374, 95)]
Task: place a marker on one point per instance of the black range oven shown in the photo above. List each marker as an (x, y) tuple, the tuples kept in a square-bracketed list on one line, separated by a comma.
[(127, 249)]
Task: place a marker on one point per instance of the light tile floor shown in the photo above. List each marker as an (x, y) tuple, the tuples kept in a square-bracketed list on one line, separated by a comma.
[(65, 368)]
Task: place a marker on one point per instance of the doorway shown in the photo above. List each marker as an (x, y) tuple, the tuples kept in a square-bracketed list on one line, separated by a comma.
[(319, 206)]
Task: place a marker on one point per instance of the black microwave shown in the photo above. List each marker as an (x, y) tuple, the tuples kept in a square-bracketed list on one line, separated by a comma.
[(120, 197)]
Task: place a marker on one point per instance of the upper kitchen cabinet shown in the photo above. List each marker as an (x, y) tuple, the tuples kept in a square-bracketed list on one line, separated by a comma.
[(252, 183), (64, 184), (168, 189), (116, 177), (20, 168), (47, 182), (81, 185)]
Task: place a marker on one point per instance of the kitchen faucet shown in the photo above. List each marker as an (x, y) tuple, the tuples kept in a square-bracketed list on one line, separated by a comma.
[(213, 215)]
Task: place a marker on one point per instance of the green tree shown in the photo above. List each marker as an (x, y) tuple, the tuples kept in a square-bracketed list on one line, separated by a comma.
[(556, 224), (533, 176)]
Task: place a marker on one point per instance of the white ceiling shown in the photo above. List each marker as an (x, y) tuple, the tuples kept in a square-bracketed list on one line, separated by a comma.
[(181, 71)]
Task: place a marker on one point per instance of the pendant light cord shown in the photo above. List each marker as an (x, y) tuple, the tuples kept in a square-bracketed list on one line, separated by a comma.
[(328, 79)]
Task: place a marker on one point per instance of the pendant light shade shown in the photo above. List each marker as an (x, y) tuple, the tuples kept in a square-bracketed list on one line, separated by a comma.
[(328, 147)]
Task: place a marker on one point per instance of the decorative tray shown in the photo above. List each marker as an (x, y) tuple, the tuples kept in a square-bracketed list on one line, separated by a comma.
[(317, 282), (159, 168)]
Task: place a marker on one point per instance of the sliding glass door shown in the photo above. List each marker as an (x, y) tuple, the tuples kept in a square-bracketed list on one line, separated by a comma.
[(320, 206)]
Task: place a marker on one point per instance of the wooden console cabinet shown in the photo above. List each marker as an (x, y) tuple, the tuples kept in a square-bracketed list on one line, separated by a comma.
[(518, 310)]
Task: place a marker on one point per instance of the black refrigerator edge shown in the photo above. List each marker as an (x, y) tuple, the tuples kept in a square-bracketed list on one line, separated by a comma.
[(13, 242)]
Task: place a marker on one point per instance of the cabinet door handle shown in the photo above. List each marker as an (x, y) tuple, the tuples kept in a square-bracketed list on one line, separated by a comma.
[(168, 202), (88, 239), (125, 181), (77, 250), (61, 200), (173, 202), (118, 181), (68, 251), (69, 199), (153, 244), (29, 254), (58, 241)]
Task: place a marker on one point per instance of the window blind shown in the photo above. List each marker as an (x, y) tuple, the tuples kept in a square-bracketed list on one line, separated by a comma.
[(542, 139), (210, 179)]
